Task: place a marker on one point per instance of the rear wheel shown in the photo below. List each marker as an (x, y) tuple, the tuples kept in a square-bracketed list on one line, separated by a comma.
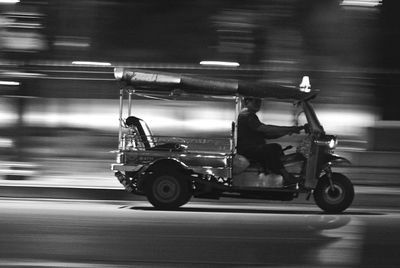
[(167, 191), (334, 198)]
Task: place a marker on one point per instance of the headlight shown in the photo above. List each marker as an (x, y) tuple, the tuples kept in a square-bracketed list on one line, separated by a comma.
[(332, 143), (329, 141), (118, 73)]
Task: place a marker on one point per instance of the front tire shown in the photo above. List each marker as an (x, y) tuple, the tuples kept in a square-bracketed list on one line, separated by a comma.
[(336, 199), (167, 191)]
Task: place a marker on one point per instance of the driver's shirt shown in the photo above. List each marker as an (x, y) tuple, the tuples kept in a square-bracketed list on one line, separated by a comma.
[(248, 137)]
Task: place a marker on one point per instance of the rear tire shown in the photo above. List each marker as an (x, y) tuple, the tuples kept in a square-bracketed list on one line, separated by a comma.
[(167, 191), (337, 199)]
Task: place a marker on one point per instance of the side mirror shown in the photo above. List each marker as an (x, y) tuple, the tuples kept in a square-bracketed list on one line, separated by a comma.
[(305, 85)]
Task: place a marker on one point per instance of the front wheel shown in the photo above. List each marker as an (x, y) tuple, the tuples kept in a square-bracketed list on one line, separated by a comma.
[(335, 197), (167, 191)]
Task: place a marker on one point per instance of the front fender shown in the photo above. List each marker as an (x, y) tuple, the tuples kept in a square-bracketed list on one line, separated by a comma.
[(328, 160), (325, 161), (335, 159)]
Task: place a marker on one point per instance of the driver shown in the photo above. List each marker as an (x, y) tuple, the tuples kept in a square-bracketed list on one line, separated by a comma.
[(251, 141)]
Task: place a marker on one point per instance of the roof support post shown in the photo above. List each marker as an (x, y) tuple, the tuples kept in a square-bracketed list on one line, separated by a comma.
[(120, 120)]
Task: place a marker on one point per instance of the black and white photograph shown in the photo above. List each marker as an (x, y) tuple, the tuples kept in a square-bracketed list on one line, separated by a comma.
[(199, 133)]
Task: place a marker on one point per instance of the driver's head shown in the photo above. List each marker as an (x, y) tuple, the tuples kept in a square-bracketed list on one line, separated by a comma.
[(252, 104)]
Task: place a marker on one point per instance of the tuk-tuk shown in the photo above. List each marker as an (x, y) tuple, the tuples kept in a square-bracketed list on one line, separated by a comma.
[(171, 170)]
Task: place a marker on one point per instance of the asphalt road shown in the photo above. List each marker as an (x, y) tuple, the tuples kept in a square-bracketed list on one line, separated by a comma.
[(79, 233)]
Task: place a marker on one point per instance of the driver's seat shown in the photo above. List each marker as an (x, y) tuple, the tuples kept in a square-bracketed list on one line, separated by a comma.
[(146, 137)]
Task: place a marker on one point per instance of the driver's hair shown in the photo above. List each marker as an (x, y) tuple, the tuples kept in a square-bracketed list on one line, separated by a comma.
[(247, 99)]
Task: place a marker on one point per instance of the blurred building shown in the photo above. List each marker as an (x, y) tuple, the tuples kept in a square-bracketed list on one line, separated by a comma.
[(350, 51)]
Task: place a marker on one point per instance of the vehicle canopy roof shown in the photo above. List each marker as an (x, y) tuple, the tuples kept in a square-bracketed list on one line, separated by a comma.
[(159, 82)]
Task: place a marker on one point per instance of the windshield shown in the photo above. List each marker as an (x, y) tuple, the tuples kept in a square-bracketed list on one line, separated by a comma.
[(312, 119)]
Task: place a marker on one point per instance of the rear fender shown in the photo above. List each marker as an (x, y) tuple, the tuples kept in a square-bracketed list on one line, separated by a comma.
[(166, 165)]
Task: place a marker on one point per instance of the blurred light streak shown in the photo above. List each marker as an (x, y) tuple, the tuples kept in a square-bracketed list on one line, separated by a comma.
[(207, 125), (184, 118), (21, 74), (387, 124), (9, 83), (91, 63), (83, 120), (162, 122), (9, 1), (11, 170), (6, 143), (351, 122), (85, 113), (220, 63), (25, 25), (26, 15), (7, 114), (362, 3), (23, 41), (71, 44)]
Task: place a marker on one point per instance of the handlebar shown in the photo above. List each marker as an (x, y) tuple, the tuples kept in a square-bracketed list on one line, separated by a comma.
[(306, 128), (297, 130)]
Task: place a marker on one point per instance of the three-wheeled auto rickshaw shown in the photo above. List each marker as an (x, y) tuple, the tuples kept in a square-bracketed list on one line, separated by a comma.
[(169, 171)]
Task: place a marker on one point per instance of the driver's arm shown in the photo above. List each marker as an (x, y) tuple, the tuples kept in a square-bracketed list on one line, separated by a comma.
[(274, 132)]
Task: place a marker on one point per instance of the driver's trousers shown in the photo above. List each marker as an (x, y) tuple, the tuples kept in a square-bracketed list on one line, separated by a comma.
[(268, 155)]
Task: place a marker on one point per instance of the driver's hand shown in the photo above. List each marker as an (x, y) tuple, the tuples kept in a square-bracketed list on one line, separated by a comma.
[(306, 128), (296, 130)]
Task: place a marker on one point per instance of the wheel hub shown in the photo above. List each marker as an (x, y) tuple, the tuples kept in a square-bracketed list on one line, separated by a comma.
[(166, 189), (333, 194)]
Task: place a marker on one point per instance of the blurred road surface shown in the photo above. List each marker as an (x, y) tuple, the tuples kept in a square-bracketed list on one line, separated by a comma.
[(62, 233)]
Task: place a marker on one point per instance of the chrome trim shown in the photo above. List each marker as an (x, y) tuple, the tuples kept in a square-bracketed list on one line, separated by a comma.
[(118, 73), (122, 167)]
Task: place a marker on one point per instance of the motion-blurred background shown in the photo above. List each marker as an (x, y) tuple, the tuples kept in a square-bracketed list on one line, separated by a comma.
[(59, 101)]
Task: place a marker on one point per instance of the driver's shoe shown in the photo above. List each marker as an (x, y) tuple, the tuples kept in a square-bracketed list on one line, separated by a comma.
[(289, 180)]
